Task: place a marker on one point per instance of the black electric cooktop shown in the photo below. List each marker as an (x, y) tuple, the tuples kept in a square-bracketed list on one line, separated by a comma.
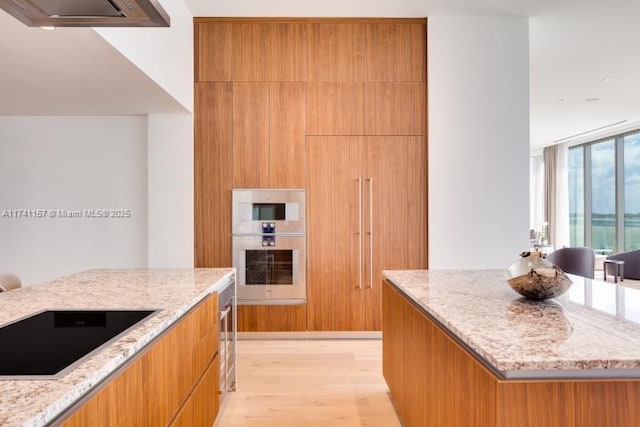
[(48, 342)]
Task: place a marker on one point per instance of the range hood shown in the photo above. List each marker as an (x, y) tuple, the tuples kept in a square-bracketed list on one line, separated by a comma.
[(87, 13)]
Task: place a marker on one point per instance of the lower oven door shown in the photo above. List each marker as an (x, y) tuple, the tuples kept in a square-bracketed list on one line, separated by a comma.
[(271, 269)]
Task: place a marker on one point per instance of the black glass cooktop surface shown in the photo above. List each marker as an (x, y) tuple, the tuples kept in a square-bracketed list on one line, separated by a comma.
[(48, 342)]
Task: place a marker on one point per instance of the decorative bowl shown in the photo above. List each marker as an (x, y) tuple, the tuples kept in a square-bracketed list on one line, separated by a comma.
[(536, 278)]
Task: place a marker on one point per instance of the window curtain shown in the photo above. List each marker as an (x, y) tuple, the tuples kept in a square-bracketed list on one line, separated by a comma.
[(556, 176), (536, 192)]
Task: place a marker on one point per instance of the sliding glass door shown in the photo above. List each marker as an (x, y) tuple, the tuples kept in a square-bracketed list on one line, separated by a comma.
[(604, 194), (631, 192)]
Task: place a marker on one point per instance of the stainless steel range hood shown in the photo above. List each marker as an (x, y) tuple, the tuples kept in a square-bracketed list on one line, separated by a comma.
[(87, 13)]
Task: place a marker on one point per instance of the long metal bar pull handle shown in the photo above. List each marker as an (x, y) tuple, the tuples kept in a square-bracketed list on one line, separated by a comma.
[(370, 233), (359, 233)]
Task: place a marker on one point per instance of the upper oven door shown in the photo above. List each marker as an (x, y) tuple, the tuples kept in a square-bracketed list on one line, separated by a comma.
[(268, 211), (274, 273)]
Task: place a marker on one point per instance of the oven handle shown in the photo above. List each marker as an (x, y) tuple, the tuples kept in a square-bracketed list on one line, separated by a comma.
[(224, 365), (359, 233), (224, 312), (370, 233)]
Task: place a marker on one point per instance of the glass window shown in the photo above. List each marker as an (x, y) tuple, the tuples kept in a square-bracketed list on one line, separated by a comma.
[(576, 196), (603, 197), (632, 192)]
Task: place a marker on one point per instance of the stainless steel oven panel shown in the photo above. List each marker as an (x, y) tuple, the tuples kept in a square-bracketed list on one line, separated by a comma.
[(293, 293), (244, 200)]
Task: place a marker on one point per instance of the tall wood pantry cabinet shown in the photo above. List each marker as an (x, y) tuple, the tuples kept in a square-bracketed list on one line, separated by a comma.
[(334, 106), (364, 216)]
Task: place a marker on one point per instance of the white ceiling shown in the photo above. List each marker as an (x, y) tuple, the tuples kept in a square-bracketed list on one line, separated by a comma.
[(574, 46), (71, 71)]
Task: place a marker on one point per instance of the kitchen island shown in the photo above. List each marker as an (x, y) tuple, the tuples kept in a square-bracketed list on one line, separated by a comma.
[(175, 293), (461, 348)]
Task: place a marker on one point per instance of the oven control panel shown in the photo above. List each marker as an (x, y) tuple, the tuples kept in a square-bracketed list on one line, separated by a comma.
[(269, 227)]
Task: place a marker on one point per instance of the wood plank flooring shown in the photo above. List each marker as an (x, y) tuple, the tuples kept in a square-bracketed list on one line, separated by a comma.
[(311, 383)]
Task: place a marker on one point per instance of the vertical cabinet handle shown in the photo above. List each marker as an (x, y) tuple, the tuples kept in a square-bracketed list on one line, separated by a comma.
[(359, 233), (370, 233)]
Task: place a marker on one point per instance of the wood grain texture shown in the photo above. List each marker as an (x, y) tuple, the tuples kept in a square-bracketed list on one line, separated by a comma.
[(335, 108), (336, 51), (607, 403), (203, 404), (309, 383), (152, 389), (433, 381), (530, 404), (287, 161), (335, 300), (250, 136), (296, 20), (268, 51), (213, 51), (213, 151), (393, 108), (396, 51), (272, 318), (397, 169)]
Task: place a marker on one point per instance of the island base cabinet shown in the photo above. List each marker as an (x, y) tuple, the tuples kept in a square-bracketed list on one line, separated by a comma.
[(434, 381), (174, 370), (202, 406), (431, 381)]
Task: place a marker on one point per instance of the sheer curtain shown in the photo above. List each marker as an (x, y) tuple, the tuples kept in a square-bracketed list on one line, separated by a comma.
[(556, 175), (536, 192)]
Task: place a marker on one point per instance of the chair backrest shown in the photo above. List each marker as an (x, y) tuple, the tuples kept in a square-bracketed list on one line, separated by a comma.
[(9, 282), (578, 261)]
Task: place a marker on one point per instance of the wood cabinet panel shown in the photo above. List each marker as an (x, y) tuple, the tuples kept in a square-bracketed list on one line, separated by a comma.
[(396, 51), (335, 108), (530, 404), (449, 388), (250, 136), (287, 135), (272, 318), (269, 51), (395, 108), (334, 294), (336, 51), (607, 403), (152, 389), (435, 381), (377, 188), (202, 406), (396, 223), (213, 152), (213, 51)]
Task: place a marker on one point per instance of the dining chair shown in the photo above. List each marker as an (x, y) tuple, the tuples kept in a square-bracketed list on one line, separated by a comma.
[(578, 260)]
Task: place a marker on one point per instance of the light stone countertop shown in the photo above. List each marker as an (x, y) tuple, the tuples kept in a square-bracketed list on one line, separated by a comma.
[(173, 291), (592, 331)]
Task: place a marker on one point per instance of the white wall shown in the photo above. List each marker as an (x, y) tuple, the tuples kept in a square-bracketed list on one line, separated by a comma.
[(165, 54), (171, 190), (478, 141), (72, 163)]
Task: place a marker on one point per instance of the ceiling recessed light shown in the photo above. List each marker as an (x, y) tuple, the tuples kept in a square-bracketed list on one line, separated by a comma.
[(47, 27), (592, 100)]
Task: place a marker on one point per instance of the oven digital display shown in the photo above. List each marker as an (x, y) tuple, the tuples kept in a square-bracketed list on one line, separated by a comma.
[(269, 211)]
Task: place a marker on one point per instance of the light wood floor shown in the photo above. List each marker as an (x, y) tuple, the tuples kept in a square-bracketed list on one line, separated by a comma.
[(328, 383)]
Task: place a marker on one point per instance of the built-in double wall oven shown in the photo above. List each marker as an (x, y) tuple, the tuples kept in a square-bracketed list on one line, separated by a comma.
[(269, 245)]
